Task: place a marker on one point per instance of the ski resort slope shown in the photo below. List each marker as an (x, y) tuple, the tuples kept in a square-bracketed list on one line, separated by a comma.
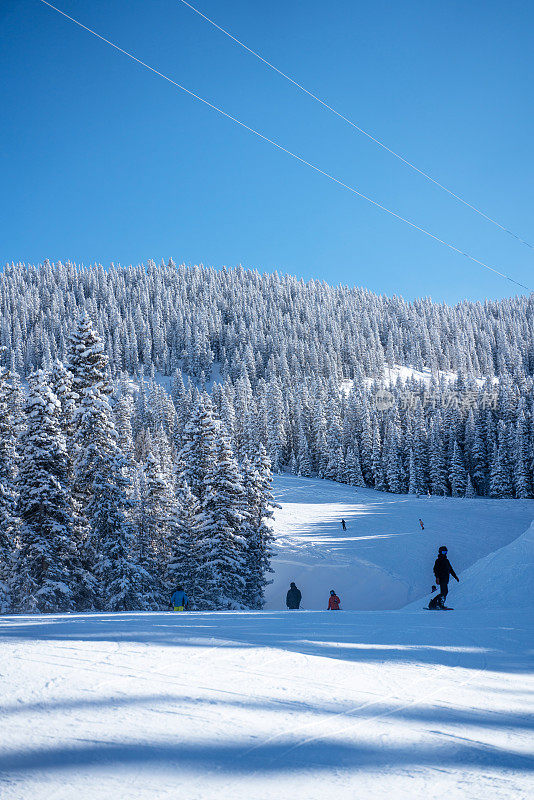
[(384, 559), (148, 706)]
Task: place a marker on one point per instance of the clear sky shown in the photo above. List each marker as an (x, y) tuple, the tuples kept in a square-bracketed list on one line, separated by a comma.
[(101, 160)]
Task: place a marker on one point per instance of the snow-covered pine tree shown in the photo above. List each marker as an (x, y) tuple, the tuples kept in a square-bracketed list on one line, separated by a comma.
[(8, 467), (89, 367), (438, 479), (42, 576), (153, 522), (87, 360), (198, 450), (469, 488), (500, 475), (259, 537), (457, 474), (100, 472), (220, 578), (521, 456), (184, 545), (413, 485), (354, 469)]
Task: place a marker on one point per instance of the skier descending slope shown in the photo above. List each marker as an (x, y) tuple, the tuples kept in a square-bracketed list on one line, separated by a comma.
[(179, 600), (333, 601), (293, 597), (442, 571)]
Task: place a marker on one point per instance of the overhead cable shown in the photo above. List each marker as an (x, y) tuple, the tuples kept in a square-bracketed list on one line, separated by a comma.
[(355, 126), (283, 149)]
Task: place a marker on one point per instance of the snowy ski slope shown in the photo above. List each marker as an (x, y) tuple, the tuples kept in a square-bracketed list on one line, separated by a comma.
[(276, 704), (384, 560)]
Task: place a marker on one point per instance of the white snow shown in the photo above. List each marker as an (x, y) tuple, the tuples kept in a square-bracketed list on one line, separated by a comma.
[(392, 374), (503, 579), (359, 704), (383, 560), (266, 705)]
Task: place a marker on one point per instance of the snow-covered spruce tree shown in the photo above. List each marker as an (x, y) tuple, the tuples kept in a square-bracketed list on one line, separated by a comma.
[(89, 367), (153, 523), (469, 489), (87, 359), (354, 470), (184, 545), (457, 475), (41, 570), (220, 577), (522, 456), (259, 538), (8, 467), (100, 473), (500, 476), (198, 450), (60, 380)]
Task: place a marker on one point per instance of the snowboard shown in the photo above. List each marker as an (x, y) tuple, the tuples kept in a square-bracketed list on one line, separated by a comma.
[(426, 608)]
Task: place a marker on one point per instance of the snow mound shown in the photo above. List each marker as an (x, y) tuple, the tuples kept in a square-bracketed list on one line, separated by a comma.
[(502, 579)]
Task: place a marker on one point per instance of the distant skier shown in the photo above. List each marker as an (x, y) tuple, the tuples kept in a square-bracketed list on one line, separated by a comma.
[(179, 600), (436, 603), (293, 597), (343, 524), (421, 524), (442, 571), (333, 601)]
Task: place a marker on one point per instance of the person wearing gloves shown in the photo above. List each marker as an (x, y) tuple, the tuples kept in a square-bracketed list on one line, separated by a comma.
[(443, 570)]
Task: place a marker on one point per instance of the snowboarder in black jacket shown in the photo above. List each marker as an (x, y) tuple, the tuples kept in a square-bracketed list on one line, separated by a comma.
[(442, 571), (293, 597)]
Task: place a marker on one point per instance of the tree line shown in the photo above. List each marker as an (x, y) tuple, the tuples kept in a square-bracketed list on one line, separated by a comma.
[(107, 503)]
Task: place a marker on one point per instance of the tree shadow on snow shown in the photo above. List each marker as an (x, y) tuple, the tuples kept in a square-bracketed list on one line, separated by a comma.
[(435, 638), (173, 703), (268, 758)]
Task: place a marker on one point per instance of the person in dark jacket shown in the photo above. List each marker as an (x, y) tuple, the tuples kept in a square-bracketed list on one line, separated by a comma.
[(343, 524), (293, 597), (442, 571), (333, 601)]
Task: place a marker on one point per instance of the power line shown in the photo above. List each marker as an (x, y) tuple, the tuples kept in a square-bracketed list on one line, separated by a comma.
[(283, 149), (357, 127)]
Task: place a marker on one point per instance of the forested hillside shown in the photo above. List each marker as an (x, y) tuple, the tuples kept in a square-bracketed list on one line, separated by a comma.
[(272, 325), (281, 348)]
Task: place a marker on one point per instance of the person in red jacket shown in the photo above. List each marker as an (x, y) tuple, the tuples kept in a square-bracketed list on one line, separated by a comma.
[(333, 601)]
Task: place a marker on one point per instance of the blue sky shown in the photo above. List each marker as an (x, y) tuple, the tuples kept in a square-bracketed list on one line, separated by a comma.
[(100, 160)]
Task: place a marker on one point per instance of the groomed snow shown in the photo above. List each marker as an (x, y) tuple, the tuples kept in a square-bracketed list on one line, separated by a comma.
[(308, 704), (267, 705)]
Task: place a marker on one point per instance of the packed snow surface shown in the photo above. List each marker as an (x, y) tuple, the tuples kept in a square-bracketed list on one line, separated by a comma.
[(307, 704), (266, 705)]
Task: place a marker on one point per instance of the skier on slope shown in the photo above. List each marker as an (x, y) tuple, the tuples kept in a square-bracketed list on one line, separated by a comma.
[(421, 523), (293, 597), (333, 601), (179, 600), (442, 571), (343, 524)]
